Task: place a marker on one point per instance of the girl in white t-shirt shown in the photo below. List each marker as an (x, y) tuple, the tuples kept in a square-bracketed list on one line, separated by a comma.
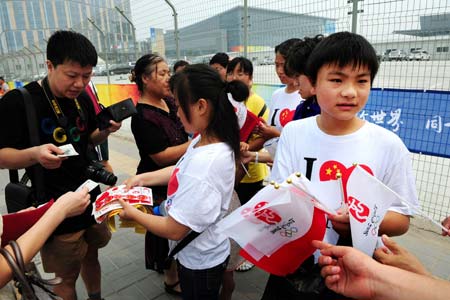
[(200, 185)]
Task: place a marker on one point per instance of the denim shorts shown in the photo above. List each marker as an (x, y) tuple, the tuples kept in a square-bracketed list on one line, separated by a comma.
[(201, 284)]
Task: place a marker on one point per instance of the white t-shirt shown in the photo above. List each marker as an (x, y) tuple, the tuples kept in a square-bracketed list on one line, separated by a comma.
[(282, 107), (199, 194), (304, 148)]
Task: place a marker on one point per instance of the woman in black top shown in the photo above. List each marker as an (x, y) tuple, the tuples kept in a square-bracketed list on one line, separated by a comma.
[(161, 140)]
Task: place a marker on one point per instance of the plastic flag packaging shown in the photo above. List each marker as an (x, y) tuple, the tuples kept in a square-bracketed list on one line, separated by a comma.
[(106, 205), (276, 227)]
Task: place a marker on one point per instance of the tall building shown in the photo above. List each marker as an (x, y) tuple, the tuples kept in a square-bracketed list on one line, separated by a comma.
[(26, 25)]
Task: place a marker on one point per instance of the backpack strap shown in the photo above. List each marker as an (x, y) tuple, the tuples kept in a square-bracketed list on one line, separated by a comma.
[(184, 242), (38, 174)]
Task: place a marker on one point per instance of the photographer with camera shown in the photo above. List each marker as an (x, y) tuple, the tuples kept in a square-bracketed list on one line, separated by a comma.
[(65, 115)]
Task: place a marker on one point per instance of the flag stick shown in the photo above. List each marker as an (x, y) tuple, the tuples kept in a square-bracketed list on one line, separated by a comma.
[(344, 206), (422, 214), (245, 169)]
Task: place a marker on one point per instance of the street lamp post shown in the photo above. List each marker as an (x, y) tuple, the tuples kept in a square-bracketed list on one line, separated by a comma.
[(106, 54), (245, 21), (133, 28), (175, 18)]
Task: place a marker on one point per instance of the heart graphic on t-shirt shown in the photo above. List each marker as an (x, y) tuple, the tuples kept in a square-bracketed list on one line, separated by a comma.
[(172, 186), (330, 168), (286, 115)]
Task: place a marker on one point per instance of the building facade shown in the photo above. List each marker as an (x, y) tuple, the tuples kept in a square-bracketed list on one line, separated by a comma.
[(25, 27), (224, 32)]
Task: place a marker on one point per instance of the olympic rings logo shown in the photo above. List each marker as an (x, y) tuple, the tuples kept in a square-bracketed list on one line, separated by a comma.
[(49, 127), (288, 232)]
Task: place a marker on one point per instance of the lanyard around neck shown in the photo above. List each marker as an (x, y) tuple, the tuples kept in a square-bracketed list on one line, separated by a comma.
[(62, 119)]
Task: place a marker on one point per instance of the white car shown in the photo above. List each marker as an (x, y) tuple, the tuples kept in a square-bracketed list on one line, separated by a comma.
[(419, 55), (397, 55)]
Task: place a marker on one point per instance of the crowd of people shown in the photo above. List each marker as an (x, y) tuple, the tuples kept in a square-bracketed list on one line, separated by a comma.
[(188, 130)]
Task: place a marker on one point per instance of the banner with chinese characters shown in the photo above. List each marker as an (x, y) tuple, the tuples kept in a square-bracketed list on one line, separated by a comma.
[(420, 118)]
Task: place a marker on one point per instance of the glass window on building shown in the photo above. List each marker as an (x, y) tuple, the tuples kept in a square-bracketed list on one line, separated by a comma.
[(4, 16), (30, 38), (19, 15), (34, 15), (18, 41), (61, 13), (75, 13), (48, 14)]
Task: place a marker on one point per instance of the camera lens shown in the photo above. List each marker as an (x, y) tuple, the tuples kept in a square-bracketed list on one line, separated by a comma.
[(96, 173), (109, 178)]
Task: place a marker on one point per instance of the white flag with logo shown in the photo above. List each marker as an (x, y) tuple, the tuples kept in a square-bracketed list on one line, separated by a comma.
[(368, 200), (276, 227)]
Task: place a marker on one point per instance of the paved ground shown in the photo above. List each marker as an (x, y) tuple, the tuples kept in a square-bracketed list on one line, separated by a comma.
[(123, 273)]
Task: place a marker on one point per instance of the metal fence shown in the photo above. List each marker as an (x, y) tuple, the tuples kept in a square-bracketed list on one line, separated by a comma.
[(411, 38)]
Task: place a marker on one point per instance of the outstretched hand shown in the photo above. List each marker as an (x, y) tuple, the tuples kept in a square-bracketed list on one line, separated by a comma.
[(266, 131), (346, 270), (133, 181), (46, 155), (395, 255), (128, 210), (74, 203), (341, 222)]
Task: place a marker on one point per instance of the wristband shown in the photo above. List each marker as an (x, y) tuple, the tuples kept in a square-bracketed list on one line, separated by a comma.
[(256, 157)]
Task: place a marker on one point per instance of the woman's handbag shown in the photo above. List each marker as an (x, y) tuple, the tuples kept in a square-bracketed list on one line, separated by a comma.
[(26, 279)]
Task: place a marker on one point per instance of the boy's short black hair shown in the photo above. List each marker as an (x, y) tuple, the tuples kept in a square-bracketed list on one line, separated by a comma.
[(220, 58), (64, 46), (298, 55), (342, 49), (245, 65), (179, 63), (1, 78), (284, 47)]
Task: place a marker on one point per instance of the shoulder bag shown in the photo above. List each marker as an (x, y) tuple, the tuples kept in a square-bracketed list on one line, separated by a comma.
[(26, 279), (18, 195)]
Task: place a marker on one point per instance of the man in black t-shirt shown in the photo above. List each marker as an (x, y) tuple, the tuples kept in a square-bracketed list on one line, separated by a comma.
[(65, 115)]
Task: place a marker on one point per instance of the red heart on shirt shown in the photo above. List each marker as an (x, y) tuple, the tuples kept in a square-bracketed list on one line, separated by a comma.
[(330, 168), (286, 115), (172, 186)]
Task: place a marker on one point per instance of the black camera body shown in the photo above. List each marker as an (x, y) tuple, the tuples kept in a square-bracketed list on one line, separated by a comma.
[(97, 173)]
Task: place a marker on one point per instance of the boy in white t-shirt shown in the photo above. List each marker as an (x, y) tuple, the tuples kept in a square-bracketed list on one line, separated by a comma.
[(342, 68), (284, 100)]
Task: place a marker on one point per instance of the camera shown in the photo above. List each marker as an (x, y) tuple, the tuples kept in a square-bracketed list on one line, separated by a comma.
[(97, 173)]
